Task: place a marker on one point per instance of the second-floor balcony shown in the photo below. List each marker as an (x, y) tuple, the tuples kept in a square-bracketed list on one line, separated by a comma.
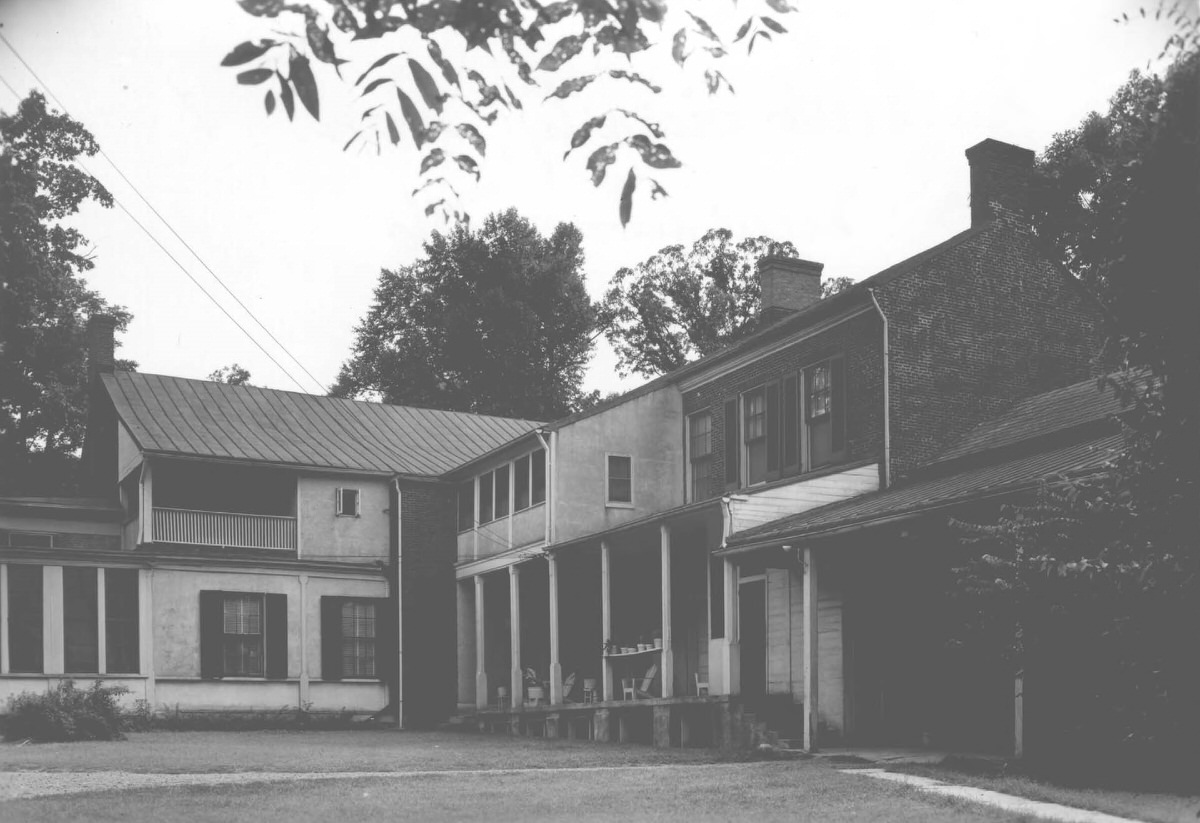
[(227, 529)]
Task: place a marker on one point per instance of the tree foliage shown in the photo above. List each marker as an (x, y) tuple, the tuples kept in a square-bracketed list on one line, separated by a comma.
[(1094, 589), (44, 303), (232, 374), (683, 303), (493, 321), (444, 81)]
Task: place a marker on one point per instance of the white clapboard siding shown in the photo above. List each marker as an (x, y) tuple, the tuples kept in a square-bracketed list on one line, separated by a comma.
[(779, 631), (749, 509)]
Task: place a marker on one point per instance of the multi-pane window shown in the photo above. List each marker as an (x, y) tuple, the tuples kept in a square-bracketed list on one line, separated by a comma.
[(700, 454), (466, 505), (620, 479), (521, 483), (243, 635), (525, 477), (538, 482), (486, 508), (503, 479), (820, 395), (754, 422), (24, 619), (81, 629), (358, 639), (347, 502)]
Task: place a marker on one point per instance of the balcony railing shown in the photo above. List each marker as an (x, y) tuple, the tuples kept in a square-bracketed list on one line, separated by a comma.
[(242, 531)]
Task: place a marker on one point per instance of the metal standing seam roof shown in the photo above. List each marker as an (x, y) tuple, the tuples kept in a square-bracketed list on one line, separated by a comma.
[(200, 418), (913, 497)]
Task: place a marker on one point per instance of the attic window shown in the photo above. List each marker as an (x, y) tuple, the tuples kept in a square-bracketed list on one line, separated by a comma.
[(347, 503)]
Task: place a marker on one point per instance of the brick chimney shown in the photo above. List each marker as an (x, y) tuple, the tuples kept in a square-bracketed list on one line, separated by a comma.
[(101, 347), (788, 285), (1000, 175)]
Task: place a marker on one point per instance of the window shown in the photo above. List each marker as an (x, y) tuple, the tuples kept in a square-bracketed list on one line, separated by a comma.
[(121, 621), (466, 505), (347, 502), (825, 414), (353, 631), (243, 634), (485, 498), (521, 483), (503, 480), (620, 479), (31, 540), (25, 619), (754, 421), (81, 629), (538, 467), (819, 394), (699, 455)]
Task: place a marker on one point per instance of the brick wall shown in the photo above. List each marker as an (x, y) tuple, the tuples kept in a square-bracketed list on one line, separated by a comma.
[(427, 513), (859, 340), (977, 328)]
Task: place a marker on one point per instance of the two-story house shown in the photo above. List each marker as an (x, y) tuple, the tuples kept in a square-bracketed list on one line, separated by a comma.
[(622, 578)]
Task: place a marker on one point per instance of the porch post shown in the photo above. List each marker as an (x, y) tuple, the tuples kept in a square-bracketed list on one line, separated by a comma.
[(606, 612), (516, 684), (1019, 715), (668, 655), (811, 698), (732, 649), (556, 684), (481, 684)]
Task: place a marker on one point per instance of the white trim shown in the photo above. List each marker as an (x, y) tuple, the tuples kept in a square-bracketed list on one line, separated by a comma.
[(618, 504), (338, 501), (688, 479), (3, 618), (101, 621), (498, 561)]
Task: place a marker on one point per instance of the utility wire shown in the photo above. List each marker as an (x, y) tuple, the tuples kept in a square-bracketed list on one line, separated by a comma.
[(176, 234)]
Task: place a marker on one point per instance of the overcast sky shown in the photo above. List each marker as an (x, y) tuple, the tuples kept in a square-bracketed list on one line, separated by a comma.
[(845, 136)]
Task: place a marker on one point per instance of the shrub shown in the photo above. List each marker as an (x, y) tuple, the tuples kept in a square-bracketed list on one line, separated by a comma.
[(66, 713)]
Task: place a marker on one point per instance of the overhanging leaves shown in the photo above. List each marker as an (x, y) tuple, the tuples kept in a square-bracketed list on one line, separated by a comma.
[(600, 160), (432, 160), (472, 136), (426, 86), (467, 164), (626, 207), (654, 155), (584, 132), (306, 85), (563, 50), (255, 76), (382, 61), (412, 116), (245, 52)]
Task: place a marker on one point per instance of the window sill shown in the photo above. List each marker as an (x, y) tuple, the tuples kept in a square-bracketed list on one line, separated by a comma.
[(618, 505)]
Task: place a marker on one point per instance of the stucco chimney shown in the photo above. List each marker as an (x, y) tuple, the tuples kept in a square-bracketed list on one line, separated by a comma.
[(788, 285), (1000, 174), (101, 346)]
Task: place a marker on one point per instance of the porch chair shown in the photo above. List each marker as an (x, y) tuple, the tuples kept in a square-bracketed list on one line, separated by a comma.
[(632, 690), (568, 685), (701, 686)]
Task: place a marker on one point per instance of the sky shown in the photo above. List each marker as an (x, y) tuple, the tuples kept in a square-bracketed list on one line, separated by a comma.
[(845, 136)]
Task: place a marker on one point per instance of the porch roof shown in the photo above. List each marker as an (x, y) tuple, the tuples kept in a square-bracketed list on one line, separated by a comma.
[(200, 418)]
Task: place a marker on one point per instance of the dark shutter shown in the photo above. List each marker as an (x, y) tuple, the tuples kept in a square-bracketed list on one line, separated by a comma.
[(212, 633), (385, 639), (732, 444), (837, 377), (331, 637), (790, 422), (772, 400), (275, 643)]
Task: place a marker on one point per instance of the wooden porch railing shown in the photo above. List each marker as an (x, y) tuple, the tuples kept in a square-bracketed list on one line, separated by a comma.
[(243, 531)]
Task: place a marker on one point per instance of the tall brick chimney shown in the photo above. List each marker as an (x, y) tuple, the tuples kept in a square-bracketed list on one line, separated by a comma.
[(788, 285), (1000, 175), (101, 346)]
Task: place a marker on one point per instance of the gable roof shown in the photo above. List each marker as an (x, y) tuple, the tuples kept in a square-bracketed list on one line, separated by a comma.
[(1061, 428), (200, 418)]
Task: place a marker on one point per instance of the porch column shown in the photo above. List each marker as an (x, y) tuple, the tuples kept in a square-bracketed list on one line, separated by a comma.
[(731, 647), (668, 655), (481, 683), (1019, 715), (52, 620), (606, 612), (811, 698), (101, 623), (3, 618), (517, 682), (556, 684)]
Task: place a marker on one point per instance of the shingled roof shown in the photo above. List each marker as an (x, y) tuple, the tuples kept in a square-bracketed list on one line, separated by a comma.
[(997, 465), (200, 418)]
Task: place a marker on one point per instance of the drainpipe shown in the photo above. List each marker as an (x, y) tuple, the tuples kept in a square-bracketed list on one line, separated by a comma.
[(396, 554), (887, 411)]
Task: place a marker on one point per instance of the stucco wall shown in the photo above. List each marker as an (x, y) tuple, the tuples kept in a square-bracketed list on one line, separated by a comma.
[(649, 429), (323, 534)]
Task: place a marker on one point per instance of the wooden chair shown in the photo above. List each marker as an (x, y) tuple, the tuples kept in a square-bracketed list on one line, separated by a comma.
[(568, 685), (701, 686), (631, 689)]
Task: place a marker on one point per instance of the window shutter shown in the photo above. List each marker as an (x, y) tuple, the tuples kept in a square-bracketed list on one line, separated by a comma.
[(837, 377), (331, 638), (791, 425), (337, 501), (732, 444), (212, 634), (275, 642), (385, 639), (358, 503), (772, 399)]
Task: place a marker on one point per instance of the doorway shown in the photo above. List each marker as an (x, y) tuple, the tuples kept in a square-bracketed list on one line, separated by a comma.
[(752, 625)]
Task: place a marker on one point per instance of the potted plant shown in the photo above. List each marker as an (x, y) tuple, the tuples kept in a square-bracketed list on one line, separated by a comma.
[(657, 638), (609, 647), (535, 691)]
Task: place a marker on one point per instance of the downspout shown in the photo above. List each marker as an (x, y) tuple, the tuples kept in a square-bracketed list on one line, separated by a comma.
[(887, 406), (396, 554)]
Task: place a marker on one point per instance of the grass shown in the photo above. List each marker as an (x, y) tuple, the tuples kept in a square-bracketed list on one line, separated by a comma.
[(1152, 807)]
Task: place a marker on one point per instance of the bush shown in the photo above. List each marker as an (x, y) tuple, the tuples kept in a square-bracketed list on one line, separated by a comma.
[(66, 713)]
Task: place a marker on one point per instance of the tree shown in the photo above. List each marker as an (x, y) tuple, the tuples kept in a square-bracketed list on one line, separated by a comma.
[(232, 374), (461, 41), (680, 304), (44, 303), (494, 321)]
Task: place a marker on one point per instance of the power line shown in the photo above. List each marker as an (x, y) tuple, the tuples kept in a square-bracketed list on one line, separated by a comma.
[(177, 236)]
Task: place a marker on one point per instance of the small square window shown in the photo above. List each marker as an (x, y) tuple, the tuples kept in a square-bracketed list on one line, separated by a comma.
[(620, 479), (347, 503)]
